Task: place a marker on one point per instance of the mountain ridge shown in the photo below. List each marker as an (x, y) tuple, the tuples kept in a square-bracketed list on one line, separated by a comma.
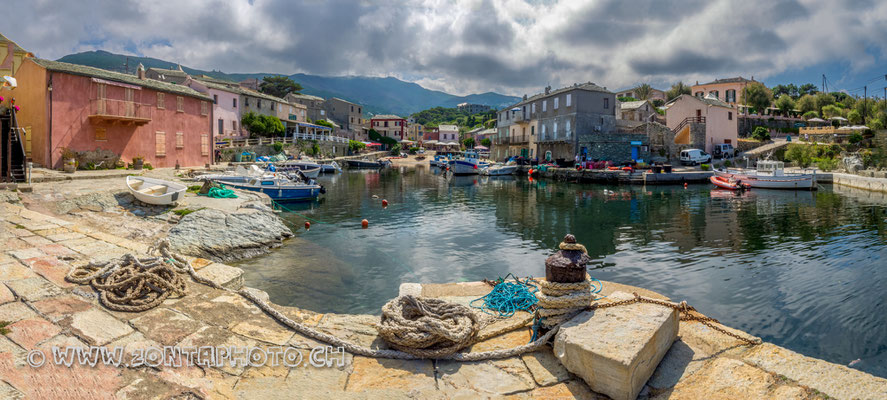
[(378, 95)]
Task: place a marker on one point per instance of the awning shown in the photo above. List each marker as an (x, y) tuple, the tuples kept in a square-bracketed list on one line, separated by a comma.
[(481, 147), (373, 144), (307, 125), (431, 142)]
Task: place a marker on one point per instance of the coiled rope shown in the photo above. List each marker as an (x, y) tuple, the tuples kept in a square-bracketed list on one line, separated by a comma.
[(506, 298)]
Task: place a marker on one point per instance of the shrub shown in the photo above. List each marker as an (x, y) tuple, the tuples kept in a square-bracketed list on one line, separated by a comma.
[(395, 150), (855, 138), (277, 146), (355, 146), (761, 134), (728, 163), (704, 167), (826, 164), (800, 154), (148, 166)]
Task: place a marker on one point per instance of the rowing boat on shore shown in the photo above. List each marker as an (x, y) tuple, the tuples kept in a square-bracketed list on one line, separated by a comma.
[(154, 191)]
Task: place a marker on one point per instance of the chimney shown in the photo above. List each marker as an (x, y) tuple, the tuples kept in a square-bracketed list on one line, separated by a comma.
[(141, 71), (697, 83), (180, 68), (547, 89), (525, 96)]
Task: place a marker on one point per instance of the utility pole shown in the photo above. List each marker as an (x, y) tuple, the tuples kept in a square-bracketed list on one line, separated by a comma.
[(126, 65), (824, 84), (865, 100)]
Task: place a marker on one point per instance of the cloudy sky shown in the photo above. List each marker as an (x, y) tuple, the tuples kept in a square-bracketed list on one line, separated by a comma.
[(471, 46)]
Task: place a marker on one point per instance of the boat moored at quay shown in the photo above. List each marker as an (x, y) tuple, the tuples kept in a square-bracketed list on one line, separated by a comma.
[(769, 175)]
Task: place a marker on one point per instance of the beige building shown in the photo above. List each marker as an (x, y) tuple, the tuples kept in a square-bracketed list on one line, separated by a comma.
[(636, 110), (313, 104), (390, 125), (702, 122), (11, 56), (348, 115), (448, 133), (728, 90)]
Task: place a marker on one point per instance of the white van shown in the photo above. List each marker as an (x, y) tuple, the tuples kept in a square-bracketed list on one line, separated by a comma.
[(694, 156)]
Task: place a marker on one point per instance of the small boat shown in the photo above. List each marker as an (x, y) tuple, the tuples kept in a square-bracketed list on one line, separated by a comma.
[(330, 168), (468, 164), (770, 175), (495, 170), (729, 184), (154, 191), (365, 163), (279, 188), (309, 168)]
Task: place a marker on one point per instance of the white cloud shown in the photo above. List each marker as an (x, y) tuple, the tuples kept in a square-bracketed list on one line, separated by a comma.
[(511, 46)]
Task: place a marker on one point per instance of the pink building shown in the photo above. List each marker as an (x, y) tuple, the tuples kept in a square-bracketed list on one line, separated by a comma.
[(702, 122), (390, 125), (83, 109), (226, 111)]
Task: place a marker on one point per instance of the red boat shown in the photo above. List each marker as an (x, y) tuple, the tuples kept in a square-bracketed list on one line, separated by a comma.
[(725, 183)]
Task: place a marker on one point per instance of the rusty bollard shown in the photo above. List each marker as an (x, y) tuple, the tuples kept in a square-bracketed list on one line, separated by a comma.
[(568, 264)]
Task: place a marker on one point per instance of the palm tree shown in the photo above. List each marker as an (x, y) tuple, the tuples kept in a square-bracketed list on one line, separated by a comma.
[(643, 92)]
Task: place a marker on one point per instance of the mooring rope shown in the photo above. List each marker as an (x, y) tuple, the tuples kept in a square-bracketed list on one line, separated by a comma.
[(506, 298)]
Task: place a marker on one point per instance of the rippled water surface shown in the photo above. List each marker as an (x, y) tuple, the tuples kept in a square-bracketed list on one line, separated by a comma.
[(805, 270)]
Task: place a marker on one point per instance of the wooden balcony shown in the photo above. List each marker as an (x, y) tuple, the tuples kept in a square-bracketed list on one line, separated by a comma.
[(119, 112)]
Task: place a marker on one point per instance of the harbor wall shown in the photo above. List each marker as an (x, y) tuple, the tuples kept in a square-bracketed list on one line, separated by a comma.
[(300, 147)]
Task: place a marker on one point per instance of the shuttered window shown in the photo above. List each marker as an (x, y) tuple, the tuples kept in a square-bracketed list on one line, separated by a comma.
[(180, 140), (204, 144), (569, 99), (204, 108), (180, 104), (161, 100), (101, 135), (160, 144)]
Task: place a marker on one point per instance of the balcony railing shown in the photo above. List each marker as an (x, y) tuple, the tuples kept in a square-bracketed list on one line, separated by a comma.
[(558, 139), (119, 111)]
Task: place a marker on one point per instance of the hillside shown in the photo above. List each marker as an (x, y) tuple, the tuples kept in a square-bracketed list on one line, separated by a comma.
[(378, 95)]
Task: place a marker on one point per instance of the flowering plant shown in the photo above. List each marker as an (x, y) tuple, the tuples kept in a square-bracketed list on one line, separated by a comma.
[(1, 99), (17, 109)]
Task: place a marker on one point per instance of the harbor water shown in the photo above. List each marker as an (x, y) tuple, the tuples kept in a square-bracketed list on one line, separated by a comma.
[(804, 270)]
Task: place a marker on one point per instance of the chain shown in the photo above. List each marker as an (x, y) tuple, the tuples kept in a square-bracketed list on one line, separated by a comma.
[(687, 312)]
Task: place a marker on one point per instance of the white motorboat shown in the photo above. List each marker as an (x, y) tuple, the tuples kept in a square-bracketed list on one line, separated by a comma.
[(495, 170), (309, 168), (770, 175), (155, 191), (468, 164)]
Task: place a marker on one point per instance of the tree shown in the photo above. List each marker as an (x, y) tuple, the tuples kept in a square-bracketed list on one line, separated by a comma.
[(810, 114), (806, 103), (855, 138), (468, 143), (831, 110), (355, 146), (486, 142), (807, 88), (279, 86), (822, 100), (790, 90), (643, 92), (262, 125), (854, 117), (758, 96), (761, 134), (676, 90), (785, 104), (626, 99)]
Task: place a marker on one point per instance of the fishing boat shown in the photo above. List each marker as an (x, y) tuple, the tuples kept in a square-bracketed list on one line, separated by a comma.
[(770, 175), (154, 191), (495, 170), (366, 163), (468, 164), (727, 183), (330, 167), (310, 169), (278, 188)]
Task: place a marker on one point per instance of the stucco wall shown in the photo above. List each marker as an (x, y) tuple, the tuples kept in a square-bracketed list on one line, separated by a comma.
[(224, 109), (718, 123)]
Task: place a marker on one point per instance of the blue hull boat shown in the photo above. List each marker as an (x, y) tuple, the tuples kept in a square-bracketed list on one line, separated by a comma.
[(280, 190)]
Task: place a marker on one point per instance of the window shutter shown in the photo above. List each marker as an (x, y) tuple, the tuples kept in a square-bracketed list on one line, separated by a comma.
[(160, 144), (161, 101), (569, 99), (101, 134), (204, 144), (204, 108), (180, 104), (180, 140)]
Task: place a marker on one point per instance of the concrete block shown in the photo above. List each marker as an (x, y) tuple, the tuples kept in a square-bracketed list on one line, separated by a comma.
[(223, 275), (615, 350)]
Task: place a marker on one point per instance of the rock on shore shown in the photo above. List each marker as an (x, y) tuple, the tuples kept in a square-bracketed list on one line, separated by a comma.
[(222, 237)]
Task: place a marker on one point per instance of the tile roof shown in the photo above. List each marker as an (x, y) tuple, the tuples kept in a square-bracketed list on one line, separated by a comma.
[(707, 100), (737, 79), (632, 105), (83, 70), (304, 96), (386, 116), (14, 44), (249, 92), (448, 127), (170, 72), (589, 86)]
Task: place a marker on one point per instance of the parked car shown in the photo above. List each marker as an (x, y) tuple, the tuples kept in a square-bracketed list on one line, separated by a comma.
[(694, 157), (724, 150)]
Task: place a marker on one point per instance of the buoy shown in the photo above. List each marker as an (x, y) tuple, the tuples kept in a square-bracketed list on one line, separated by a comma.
[(384, 203), (531, 171), (365, 224), (307, 225), (685, 185)]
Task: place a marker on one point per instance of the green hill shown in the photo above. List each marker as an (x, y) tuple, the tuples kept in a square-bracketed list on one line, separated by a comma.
[(378, 95)]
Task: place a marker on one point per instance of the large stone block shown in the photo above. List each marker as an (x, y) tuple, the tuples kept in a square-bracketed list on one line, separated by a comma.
[(223, 275), (615, 350)]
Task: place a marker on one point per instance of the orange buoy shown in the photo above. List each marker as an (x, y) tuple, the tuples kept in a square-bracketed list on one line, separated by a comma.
[(685, 185), (531, 171), (365, 224), (384, 203), (307, 225)]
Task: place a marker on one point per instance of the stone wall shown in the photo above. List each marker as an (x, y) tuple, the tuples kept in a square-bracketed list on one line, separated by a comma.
[(746, 125), (746, 145), (615, 146), (697, 136)]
